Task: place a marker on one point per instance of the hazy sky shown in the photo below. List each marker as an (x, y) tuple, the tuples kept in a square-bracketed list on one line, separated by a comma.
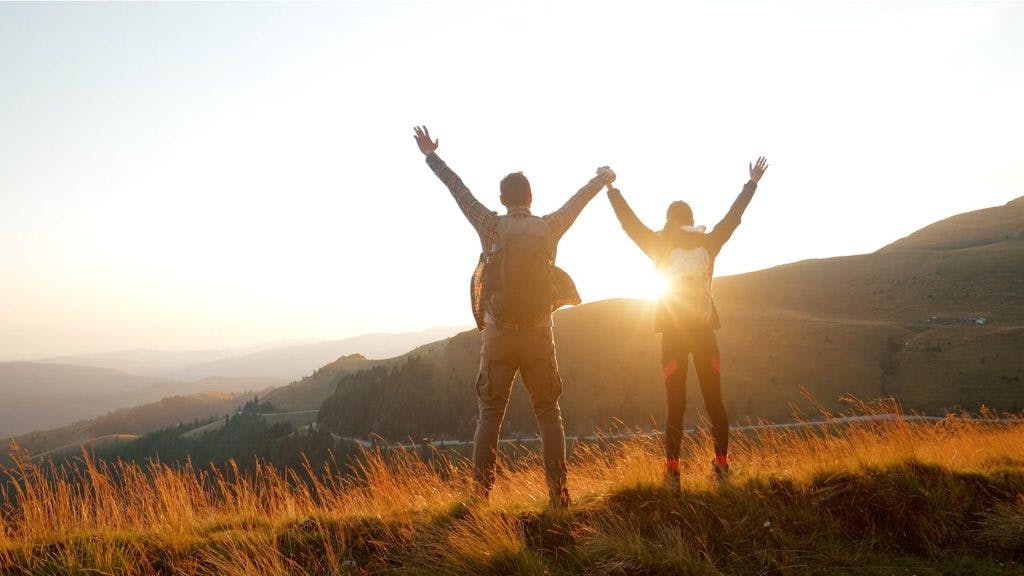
[(210, 175)]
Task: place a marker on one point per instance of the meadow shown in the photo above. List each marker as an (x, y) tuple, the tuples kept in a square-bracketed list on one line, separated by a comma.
[(873, 497)]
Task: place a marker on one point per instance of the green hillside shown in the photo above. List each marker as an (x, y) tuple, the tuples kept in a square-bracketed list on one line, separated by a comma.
[(309, 392)]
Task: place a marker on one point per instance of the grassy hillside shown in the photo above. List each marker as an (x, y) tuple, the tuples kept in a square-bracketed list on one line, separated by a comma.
[(950, 297), (978, 228), (890, 497), (221, 384), (936, 320)]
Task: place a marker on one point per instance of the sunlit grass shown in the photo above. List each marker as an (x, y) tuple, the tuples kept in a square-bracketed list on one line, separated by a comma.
[(802, 500)]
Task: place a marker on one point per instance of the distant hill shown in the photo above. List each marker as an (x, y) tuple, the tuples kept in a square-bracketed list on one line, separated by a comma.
[(295, 362), (287, 361), (144, 362), (40, 396), (128, 423), (935, 319), (20, 379), (46, 397)]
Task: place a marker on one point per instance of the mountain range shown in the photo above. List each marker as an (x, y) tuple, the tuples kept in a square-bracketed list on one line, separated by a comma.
[(289, 360), (59, 391), (40, 396)]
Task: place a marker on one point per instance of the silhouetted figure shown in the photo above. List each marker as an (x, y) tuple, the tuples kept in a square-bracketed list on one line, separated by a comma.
[(514, 289), (685, 313)]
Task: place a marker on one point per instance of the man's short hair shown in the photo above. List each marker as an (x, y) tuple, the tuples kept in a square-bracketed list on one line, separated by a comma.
[(515, 190), (679, 213)]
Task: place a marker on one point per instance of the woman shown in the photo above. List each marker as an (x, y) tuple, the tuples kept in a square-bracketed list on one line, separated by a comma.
[(686, 315)]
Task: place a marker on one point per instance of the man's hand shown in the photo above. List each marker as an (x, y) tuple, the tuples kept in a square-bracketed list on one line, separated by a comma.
[(422, 137), (606, 175), (757, 170)]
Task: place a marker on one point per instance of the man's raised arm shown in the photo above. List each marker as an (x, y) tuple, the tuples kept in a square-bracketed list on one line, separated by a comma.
[(641, 235), (485, 221), (724, 229), (560, 220)]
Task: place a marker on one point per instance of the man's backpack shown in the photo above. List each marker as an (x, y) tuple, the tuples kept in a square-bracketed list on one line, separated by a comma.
[(688, 274), (517, 275)]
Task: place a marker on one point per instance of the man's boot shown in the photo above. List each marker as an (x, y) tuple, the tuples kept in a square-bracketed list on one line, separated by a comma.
[(559, 499), (672, 483)]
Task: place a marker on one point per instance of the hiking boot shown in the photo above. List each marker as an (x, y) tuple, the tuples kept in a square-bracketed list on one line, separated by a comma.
[(720, 470), (672, 483), (559, 500)]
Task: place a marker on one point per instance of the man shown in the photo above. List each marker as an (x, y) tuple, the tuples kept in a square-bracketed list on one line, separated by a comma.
[(686, 315), (515, 288)]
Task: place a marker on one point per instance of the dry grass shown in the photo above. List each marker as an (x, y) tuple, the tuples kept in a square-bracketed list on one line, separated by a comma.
[(857, 498)]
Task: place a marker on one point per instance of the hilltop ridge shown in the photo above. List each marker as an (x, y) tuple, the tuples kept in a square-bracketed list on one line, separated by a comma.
[(968, 230)]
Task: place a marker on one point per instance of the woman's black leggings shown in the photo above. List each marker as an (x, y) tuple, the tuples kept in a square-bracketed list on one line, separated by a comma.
[(676, 347)]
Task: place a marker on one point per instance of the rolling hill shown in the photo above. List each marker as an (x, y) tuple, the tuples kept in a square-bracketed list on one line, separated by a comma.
[(41, 396), (127, 424), (58, 407), (935, 319)]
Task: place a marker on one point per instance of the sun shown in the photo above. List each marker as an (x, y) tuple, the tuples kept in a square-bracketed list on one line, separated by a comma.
[(651, 285)]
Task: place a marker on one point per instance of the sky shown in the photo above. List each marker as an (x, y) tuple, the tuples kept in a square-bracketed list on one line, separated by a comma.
[(189, 176)]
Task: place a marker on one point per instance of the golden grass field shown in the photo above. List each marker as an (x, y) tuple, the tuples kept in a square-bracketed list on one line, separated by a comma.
[(887, 497)]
